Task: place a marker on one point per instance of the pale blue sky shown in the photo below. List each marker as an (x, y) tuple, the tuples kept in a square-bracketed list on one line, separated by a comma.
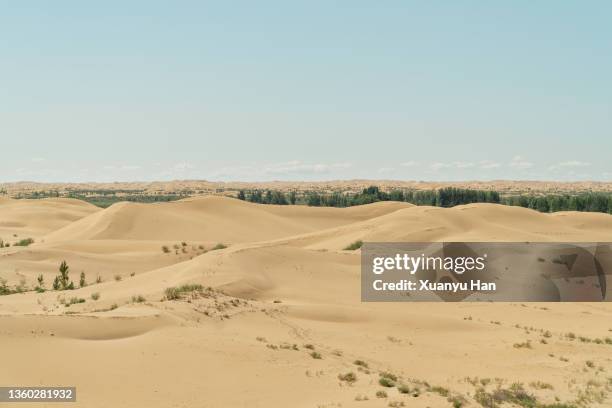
[(314, 90)]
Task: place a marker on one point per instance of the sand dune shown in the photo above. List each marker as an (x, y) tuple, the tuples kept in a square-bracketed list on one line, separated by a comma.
[(286, 280), (35, 218), (212, 218)]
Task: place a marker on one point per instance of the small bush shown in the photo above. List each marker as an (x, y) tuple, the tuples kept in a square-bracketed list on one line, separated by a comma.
[(138, 299), (175, 293), (526, 344), (388, 375), (360, 363), (386, 382), (381, 394), (309, 346), (24, 242), (348, 377), (95, 296), (219, 246), (165, 249), (118, 278), (316, 355), (403, 389), (354, 246)]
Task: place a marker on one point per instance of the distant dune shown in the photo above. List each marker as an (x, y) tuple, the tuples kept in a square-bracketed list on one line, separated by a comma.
[(279, 317)]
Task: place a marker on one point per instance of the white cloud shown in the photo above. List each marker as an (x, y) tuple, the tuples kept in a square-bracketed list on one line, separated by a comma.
[(518, 162), (488, 164), (298, 167), (439, 166), (454, 165), (386, 169), (463, 165), (272, 170), (569, 164)]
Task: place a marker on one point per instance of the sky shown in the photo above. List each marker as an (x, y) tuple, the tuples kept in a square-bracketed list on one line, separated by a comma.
[(305, 90)]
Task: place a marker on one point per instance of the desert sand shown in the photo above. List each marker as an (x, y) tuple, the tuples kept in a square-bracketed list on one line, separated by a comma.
[(281, 294)]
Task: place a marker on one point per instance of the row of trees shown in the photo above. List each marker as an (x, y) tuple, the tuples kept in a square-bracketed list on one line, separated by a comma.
[(444, 197), (590, 202)]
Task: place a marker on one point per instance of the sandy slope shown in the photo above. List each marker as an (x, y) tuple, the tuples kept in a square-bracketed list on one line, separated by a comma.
[(212, 218), (285, 279), (35, 218)]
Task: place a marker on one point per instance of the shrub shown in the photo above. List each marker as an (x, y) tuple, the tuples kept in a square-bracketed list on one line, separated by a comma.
[(348, 377), (403, 389), (354, 246), (388, 375), (95, 296), (82, 282), (175, 292), (118, 277), (360, 363), (219, 246), (138, 299), (165, 249), (381, 394), (386, 382), (24, 242), (526, 344), (316, 355)]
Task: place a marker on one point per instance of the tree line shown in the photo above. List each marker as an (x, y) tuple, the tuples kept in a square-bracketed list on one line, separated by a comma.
[(444, 197)]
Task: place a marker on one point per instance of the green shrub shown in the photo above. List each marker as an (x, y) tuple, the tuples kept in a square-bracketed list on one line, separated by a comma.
[(219, 246), (24, 242), (386, 382), (316, 355), (354, 246), (360, 363), (95, 296), (403, 389), (175, 292), (348, 377), (138, 299)]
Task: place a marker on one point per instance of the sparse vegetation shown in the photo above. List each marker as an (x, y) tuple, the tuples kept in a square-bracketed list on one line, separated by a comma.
[(354, 246), (138, 299), (360, 363), (525, 344), (95, 296), (218, 246), (316, 355), (176, 292), (386, 382), (349, 377), (24, 242)]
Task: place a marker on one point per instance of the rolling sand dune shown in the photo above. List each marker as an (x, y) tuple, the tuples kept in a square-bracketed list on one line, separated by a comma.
[(282, 294), (34, 218), (212, 219)]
